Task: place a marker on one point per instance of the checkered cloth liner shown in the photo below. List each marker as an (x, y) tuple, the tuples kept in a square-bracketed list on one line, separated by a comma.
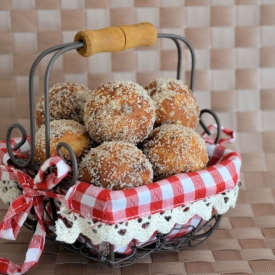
[(22, 152), (230, 135), (104, 205), (118, 206)]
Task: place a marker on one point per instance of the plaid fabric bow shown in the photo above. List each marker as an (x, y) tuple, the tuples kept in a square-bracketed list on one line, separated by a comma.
[(34, 192)]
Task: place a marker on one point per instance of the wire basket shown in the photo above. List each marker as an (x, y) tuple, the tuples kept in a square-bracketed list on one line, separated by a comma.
[(17, 155)]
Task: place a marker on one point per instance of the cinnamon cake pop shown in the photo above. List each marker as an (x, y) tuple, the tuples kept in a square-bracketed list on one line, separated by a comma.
[(174, 149), (68, 131), (119, 110), (66, 101), (175, 103), (116, 165)]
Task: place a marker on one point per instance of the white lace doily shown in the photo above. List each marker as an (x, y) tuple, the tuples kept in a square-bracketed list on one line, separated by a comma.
[(143, 228), (9, 190)]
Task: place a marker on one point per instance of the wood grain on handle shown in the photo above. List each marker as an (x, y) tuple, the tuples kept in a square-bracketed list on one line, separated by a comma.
[(115, 39)]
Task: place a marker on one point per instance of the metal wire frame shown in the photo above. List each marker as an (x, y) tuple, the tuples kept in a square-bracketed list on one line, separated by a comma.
[(176, 39), (61, 49), (27, 163), (112, 259)]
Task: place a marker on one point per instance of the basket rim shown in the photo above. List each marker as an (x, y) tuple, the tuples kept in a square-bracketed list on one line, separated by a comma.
[(114, 206), (109, 206)]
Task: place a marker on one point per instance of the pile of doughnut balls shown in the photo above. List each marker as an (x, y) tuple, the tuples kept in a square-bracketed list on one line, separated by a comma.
[(123, 134)]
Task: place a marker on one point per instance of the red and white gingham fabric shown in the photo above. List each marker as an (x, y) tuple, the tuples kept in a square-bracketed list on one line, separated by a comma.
[(34, 192), (118, 206), (228, 132), (23, 151), (105, 205)]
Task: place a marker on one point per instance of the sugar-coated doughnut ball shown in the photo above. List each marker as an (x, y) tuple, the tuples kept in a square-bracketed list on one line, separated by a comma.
[(173, 149), (68, 131), (119, 110), (175, 103), (66, 101), (116, 165)]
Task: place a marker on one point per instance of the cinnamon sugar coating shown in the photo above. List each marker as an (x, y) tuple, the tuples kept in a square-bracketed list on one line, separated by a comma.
[(116, 165), (119, 110), (174, 102), (66, 101), (68, 131), (173, 149)]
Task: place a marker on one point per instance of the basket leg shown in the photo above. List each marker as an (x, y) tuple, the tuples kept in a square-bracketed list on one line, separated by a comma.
[(111, 255)]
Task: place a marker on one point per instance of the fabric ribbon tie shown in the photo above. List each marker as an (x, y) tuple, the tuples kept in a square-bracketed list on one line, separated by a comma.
[(27, 191), (34, 192)]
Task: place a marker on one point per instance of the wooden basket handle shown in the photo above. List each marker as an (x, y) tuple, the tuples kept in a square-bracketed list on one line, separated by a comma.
[(115, 39)]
